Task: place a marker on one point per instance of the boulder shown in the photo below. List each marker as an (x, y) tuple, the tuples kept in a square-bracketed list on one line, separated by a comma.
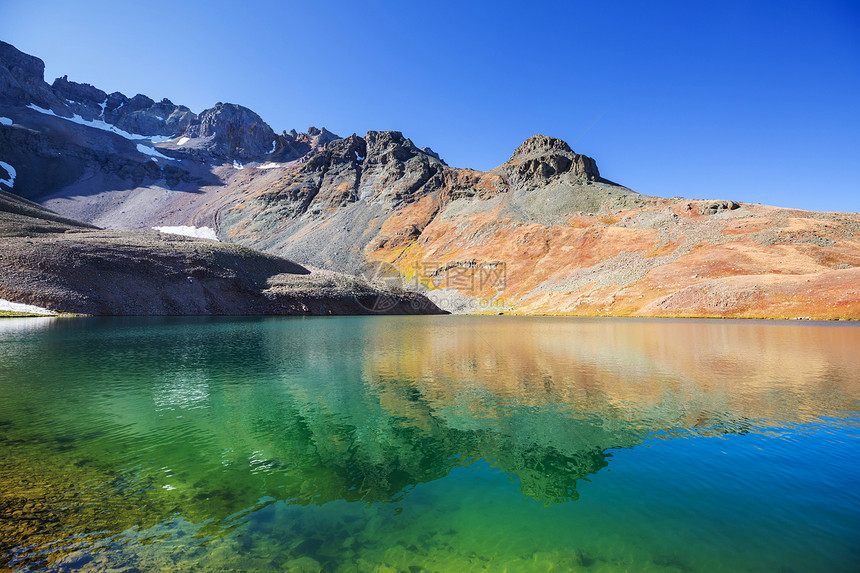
[(714, 207)]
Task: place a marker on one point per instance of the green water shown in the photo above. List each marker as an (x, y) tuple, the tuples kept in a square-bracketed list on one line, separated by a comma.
[(429, 444)]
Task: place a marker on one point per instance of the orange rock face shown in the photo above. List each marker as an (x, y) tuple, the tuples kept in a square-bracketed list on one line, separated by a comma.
[(545, 234), (750, 262)]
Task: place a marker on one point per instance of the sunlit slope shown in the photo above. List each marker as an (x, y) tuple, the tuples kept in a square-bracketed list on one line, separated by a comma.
[(544, 233)]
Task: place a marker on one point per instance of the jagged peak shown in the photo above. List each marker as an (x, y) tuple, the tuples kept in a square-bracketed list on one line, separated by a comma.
[(386, 145), (78, 92), (313, 130), (318, 137)]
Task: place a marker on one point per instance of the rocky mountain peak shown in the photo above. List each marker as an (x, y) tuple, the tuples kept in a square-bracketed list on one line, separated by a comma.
[(350, 149), (317, 137), (538, 145), (541, 157), (22, 80), (390, 146), (429, 151), (140, 102), (77, 92), (291, 145), (236, 132)]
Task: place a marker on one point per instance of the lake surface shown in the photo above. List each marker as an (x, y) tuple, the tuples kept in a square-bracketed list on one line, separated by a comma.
[(429, 443)]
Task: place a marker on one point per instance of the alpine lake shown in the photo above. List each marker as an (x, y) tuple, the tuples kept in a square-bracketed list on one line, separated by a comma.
[(442, 443)]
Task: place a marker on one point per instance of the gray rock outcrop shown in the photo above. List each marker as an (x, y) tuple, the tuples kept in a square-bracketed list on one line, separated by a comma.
[(234, 131), (714, 207), (22, 81), (540, 158)]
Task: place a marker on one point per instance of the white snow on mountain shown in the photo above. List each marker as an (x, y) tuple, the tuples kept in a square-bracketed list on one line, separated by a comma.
[(188, 231), (25, 308), (150, 151), (11, 171), (99, 124)]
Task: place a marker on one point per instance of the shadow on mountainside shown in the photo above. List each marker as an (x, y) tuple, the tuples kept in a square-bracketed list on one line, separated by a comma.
[(56, 263)]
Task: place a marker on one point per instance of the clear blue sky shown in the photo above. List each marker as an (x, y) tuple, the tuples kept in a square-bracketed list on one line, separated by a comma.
[(752, 101)]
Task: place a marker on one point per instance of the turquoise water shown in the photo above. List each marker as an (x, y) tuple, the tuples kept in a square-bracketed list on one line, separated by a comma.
[(429, 444)]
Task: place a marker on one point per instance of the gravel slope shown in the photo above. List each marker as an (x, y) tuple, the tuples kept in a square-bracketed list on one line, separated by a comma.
[(62, 265)]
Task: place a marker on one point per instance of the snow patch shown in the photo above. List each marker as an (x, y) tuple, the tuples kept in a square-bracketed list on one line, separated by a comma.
[(103, 105), (274, 145), (5, 121), (11, 171), (269, 165), (183, 141), (150, 151), (358, 157), (187, 231), (237, 165), (99, 124), (19, 307)]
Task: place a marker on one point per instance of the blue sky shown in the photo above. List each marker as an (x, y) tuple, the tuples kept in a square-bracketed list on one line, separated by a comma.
[(751, 101)]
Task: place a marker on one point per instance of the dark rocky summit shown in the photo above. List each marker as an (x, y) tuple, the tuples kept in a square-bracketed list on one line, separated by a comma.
[(22, 80), (540, 158)]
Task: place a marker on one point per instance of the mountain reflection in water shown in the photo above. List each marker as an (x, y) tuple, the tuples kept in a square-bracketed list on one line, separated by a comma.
[(215, 419)]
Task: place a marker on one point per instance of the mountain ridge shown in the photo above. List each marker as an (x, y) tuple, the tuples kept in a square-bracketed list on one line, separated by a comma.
[(569, 240)]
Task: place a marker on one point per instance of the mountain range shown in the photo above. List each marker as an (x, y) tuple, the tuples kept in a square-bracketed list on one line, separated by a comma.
[(543, 233)]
